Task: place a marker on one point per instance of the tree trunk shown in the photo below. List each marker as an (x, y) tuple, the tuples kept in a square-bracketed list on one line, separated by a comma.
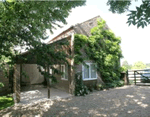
[(48, 83)]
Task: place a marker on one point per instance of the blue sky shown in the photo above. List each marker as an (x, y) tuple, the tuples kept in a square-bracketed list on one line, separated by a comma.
[(135, 42)]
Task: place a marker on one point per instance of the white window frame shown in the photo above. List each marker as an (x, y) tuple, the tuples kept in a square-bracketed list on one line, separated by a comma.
[(64, 72), (89, 72), (50, 71)]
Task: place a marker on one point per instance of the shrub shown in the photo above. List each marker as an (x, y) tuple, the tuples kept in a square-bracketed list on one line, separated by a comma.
[(90, 88), (80, 88), (120, 83), (100, 87), (114, 84), (145, 80)]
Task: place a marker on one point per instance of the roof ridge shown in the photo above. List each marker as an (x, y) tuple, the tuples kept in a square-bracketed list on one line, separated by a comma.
[(87, 20), (72, 26)]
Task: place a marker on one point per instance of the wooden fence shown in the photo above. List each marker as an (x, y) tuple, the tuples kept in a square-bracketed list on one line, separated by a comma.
[(139, 77)]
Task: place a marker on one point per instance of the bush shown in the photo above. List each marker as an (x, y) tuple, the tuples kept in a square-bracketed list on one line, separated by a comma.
[(80, 88), (100, 87), (115, 84), (145, 80), (90, 88), (1, 85), (120, 83)]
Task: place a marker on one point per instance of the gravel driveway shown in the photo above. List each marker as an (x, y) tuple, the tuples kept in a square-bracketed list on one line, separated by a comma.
[(127, 101)]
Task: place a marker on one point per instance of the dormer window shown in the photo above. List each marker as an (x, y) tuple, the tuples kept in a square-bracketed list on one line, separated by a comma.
[(91, 24)]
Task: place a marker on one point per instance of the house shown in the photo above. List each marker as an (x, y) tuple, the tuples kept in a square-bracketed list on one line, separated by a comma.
[(89, 74), (66, 81)]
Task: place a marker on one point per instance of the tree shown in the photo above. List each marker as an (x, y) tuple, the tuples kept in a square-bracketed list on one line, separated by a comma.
[(139, 17), (24, 23), (139, 65), (126, 65), (147, 65)]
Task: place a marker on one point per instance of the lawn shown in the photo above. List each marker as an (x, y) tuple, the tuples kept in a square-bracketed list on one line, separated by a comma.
[(5, 102)]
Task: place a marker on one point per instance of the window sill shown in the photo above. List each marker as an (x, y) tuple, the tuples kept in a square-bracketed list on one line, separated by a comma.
[(89, 79), (64, 79)]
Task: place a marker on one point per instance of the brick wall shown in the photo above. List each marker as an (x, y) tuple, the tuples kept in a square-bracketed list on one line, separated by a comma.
[(4, 90)]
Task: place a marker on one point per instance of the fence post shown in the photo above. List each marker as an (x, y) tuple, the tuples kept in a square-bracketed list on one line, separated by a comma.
[(134, 78), (16, 84), (48, 83)]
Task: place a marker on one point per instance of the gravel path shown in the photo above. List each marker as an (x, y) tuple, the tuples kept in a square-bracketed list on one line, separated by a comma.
[(127, 101)]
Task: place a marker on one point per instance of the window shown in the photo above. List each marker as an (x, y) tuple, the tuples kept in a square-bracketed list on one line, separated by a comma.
[(50, 71), (89, 71), (64, 70)]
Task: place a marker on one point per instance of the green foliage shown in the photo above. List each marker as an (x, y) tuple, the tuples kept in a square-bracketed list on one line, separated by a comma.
[(126, 66), (100, 86), (139, 65), (123, 69), (119, 6), (103, 48), (1, 85), (80, 42), (90, 88), (4, 66), (6, 102), (139, 17), (116, 83), (80, 88), (145, 80), (24, 24)]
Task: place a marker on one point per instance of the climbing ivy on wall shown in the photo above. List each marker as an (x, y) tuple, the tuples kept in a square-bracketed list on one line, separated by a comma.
[(103, 47)]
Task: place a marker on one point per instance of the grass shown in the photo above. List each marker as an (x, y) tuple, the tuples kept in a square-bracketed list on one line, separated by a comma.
[(6, 102)]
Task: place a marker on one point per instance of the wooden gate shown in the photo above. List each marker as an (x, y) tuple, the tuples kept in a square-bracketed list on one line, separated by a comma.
[(139, 77)]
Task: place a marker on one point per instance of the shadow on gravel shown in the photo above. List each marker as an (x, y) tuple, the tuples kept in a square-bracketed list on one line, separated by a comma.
[(127, 101), (37, 108)]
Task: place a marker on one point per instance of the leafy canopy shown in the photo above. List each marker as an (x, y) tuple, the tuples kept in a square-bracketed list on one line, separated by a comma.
[(139, 65), (24, 23), (139, 17)]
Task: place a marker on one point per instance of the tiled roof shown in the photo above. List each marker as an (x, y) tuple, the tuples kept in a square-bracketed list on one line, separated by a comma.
[(81, 28)]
